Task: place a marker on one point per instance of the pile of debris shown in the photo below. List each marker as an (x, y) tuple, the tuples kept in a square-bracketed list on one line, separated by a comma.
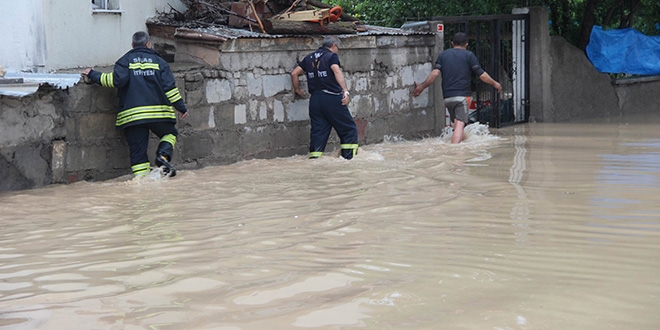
[(265, 16)]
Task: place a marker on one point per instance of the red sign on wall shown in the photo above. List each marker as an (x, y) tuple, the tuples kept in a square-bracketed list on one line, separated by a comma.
[(441, 28)]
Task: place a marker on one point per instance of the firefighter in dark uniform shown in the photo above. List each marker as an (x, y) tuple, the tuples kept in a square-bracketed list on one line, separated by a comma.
[(329, 99), (147, 98)]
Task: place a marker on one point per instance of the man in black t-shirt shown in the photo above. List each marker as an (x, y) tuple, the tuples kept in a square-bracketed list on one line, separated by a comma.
[(456, 66), (329, 99)]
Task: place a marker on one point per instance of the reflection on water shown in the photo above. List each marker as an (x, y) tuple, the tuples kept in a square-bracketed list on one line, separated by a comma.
[(538, 226)]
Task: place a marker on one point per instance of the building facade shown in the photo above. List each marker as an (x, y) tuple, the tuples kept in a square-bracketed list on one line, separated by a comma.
[(43, 36)]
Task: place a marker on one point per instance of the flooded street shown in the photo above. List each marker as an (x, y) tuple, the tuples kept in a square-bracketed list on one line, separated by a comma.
[(537, 226)]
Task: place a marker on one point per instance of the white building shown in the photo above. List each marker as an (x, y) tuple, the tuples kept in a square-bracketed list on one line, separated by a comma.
[(44, 35)]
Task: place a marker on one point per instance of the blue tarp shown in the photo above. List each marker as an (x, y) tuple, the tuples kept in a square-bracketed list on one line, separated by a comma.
[(624, 51)]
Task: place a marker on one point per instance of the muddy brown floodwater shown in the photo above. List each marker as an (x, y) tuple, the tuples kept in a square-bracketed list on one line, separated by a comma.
[(537, 226)]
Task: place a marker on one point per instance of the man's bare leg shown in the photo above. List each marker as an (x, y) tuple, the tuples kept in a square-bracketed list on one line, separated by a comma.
[(459, 132)]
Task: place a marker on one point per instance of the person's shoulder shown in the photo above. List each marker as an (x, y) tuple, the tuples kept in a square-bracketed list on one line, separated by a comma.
[(125, 58), (331, 56), (471, 54), (451, 52), (464, 51), (307, 58)]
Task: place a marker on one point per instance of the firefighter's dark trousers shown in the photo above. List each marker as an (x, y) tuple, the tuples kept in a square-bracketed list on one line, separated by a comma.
[(138, 141), (327, 112)]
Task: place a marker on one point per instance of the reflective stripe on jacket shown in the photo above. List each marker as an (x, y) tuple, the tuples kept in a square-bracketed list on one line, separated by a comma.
[(145, 86)]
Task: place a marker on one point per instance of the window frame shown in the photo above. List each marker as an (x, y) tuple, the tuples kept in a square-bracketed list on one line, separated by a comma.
[(106, 6)]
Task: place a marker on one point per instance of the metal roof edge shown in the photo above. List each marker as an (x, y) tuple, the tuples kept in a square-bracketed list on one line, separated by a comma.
[(32, 82)]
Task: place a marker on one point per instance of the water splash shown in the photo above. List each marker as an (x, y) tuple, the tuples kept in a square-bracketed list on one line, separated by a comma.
[(393, 138), (475, 132), (478, 130), (157, 174)]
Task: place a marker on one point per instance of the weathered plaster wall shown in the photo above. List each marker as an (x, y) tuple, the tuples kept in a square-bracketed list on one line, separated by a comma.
[(43, 35), (76, 36), (22, 47)]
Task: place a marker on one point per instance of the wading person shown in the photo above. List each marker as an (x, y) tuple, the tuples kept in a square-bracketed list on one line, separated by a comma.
[(147, 98), (456, 65), (329, 99)]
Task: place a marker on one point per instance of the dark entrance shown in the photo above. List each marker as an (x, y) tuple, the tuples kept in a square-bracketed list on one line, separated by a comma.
[(501, 45)]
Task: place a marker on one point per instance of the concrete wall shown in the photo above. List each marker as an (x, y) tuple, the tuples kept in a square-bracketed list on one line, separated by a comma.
[(243, 108), (22, 47), (571, 69), (42, 35), (565, 86), (637, 96), (540, 63)]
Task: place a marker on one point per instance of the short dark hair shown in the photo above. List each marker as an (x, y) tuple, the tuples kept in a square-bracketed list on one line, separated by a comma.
[(460, 39), (329, 41), (140, 39)]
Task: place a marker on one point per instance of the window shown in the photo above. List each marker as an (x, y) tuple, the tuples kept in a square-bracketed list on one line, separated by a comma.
[(111, 6)]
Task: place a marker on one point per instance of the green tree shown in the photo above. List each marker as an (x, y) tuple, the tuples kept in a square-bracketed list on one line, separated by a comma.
[(571, 19)]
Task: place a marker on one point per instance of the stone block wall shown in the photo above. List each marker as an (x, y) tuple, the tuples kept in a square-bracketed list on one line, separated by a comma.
[(27, 128), (241, 108)]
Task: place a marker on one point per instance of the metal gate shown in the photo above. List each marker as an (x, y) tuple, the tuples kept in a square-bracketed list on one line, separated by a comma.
[(500, 43)]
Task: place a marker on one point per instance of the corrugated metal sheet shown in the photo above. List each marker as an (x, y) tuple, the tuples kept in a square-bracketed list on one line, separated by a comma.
[(231, 33), (32, 81), (235, 33), (381, 30)]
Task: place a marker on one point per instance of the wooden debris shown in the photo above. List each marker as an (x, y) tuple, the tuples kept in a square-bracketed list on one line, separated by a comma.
[(269, 16), (307, 28), (320, 15), (196, 35), (257, 16)]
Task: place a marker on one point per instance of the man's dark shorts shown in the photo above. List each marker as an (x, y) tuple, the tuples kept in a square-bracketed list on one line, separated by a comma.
[(458, 108)]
